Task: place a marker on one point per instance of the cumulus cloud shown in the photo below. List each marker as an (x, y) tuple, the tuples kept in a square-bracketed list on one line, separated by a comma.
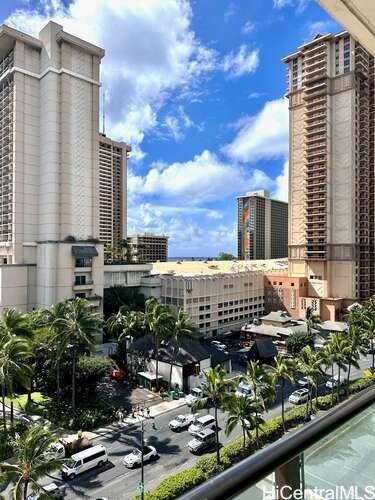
[(188, 236), (239, 63), (203, 179), (264, 135), (151, 52), (282, 183)]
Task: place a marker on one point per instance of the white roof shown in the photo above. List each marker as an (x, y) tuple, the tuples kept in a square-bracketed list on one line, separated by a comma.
[(149, 375), (88, 452), (334, 326)]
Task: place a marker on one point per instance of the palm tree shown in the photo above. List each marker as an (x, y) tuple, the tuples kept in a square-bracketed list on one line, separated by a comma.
[(125, 324), (242, 411), (32, 462), (339, 351), (262, 385), (312, 319), (357, 342), (78, 326), (54, 321), (215, 389), (182, 328), (14, 367), (368, 317), (14, 324), (283, 371), (309, 363), (158, 321)]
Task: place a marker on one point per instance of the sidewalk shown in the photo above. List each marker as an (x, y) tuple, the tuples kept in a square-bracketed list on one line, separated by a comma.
[(156, 410)]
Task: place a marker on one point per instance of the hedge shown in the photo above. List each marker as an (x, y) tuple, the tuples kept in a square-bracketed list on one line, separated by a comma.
[(234, 452)]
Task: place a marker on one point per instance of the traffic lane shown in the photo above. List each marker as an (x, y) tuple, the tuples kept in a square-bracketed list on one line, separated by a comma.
[(173, 454)]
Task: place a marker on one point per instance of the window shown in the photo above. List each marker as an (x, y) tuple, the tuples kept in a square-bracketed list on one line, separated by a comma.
[(303, 303), (292, 284), (80, 280)]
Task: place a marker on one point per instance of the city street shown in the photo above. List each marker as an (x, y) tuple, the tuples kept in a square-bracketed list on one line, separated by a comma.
[(115, 481)]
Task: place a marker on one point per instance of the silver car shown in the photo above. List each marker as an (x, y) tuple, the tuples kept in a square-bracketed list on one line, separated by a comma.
[(299, 396)]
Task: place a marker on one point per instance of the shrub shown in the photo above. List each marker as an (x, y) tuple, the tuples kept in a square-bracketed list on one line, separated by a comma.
[(210, 467), (298, 340), (174, 486), (360, 384), (271, 430), (325, 402)]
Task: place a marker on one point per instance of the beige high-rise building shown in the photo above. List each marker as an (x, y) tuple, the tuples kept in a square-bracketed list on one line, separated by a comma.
[(113, 157), (331, 178), (49, 168)]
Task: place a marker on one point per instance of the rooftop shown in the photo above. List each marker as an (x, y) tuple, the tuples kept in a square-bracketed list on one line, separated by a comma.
[(207, 267)]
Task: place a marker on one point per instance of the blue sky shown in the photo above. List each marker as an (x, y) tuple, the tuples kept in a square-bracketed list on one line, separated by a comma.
[(196, 87)]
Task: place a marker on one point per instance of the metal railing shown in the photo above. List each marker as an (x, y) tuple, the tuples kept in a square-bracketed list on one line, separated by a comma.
[(240, 477)]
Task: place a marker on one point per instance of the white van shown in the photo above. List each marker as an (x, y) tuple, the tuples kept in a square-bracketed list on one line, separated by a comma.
[(85, 460), (202, 423)]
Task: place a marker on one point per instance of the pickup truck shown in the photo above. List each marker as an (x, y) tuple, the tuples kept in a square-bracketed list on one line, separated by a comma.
[(66, 447)]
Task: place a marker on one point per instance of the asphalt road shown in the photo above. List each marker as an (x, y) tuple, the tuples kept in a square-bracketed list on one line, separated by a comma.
[(115, 482)]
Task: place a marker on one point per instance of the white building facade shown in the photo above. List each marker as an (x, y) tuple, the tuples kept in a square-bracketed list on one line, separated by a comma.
[(49, 168)]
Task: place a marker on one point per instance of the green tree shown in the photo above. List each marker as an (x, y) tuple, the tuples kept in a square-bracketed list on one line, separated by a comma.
[(14, 324), (341, 349), (125, 324), (312, 320), (261, 383), (283, 371), (181, 328), (14, 356), (242, 411), (357, 341), (158, 320), (90, 371), (215, 389), (309, 363), (298, 340), (32, 462), (78, 328), (53, 320), (126, 298), (226, 256), (368, 319)]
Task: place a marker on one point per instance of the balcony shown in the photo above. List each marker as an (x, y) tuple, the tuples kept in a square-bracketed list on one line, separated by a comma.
[(330, 454)]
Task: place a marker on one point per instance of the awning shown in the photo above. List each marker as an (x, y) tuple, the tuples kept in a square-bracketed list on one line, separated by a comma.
[(84, 251)]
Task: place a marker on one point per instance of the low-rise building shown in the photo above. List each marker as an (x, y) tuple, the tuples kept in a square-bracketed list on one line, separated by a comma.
[(217, 295)]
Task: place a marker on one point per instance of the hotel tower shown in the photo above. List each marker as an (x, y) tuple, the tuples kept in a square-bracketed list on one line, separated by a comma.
[(331, 178)]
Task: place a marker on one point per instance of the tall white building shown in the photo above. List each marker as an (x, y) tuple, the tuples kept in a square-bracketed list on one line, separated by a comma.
[(49, 168)]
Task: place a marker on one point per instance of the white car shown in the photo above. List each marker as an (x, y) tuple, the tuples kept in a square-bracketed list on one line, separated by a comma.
[(334, 382), (243, 390), (134, 459), (303, 382), (194, 396), (299, 396), (201, 423), (182, 422)]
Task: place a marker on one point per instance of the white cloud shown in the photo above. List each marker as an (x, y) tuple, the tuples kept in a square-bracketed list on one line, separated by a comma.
[(245, 61), (299, 4), (175, 125), (229, 13), (319, 27), (248, 28), (151, 52), (204, 179), (282, 183), (188, 234), (264, 135)]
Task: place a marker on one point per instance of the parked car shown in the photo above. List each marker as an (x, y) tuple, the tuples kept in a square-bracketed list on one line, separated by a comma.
[(303, 381), (299, 396), (194, 396), (243, 390), (182, 422), (334, 381), (66, 447), (204, 440), (134, 458), (34, 421), (53, 491), (96, 456), (205, 422)]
